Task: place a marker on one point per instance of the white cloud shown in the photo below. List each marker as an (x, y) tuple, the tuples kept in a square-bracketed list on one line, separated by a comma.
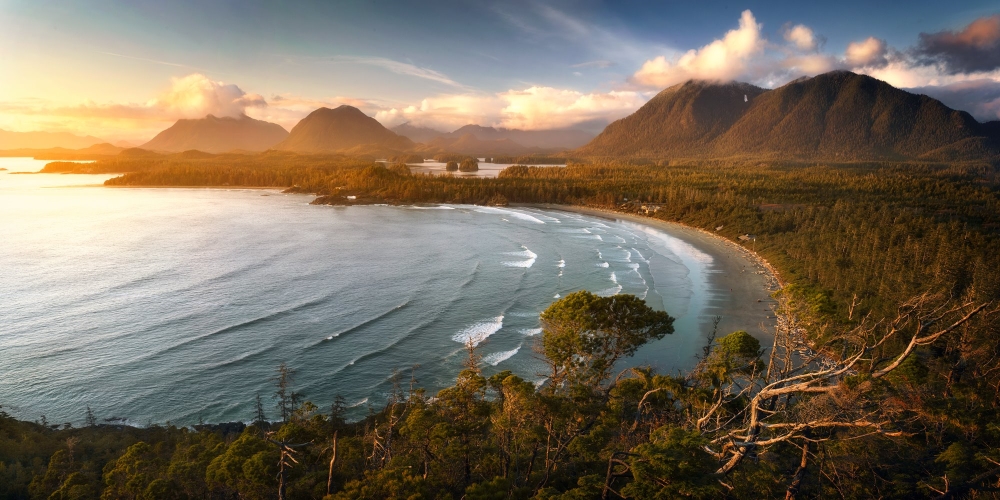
[(871, 52), (802, 37), (533, 108), (196, 95), (723, 59)]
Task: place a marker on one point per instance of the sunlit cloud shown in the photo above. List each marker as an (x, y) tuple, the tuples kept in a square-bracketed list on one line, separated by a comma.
[(723, 59), (533, 108), (871, 53), (975, 48), (802, 37), (191, 96), (937, 65)]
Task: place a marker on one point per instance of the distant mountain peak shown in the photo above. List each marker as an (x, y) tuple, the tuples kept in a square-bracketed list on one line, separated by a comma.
[(213, 134), (342, 128)]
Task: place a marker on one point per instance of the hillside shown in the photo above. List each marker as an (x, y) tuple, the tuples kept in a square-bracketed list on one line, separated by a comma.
[(472, 145), (682, 120), (45, 140), (835, 116), (329, 130), (476, 139), (217, 135), (417, 134)]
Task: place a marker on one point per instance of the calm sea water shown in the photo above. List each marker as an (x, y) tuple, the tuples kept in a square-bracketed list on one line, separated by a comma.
[(178, 304)]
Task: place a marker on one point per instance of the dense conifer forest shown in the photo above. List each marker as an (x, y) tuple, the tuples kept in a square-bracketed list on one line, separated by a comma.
[(883, 379)]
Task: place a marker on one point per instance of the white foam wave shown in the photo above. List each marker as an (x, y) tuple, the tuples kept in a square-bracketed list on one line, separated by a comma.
[(498, 357), (603, 264), (556, 296), (524, 314), (512, 213), (433, 207), (359, 403), (479, 331), (531, 332), (528, 255), (610, 291), (562, 263), (644, 259), (614, 278)]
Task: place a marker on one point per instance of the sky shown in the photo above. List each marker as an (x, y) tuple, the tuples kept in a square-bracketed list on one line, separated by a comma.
[(126, 70)]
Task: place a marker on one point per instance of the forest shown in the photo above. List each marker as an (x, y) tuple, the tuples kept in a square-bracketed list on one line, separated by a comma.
[(882, 379)]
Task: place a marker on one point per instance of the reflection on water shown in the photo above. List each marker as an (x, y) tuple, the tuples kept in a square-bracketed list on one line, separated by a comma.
[(486, 170)]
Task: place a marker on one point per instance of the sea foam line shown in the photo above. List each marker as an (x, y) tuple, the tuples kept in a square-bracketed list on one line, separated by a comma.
[(527, 254), (512, 213), (479, 331), (498, 357)]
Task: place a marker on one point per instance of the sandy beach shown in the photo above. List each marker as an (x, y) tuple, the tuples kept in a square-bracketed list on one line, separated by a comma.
[(744, 280)]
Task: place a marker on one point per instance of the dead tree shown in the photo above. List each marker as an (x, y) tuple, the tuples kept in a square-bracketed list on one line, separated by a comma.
[(285, 461), (832, 389)]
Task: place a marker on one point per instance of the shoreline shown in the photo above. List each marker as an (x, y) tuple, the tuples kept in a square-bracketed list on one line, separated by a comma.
[(752, 280)]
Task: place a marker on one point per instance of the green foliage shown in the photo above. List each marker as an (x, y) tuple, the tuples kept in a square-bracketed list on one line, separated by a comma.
[(468, 165), (585, 335), (673, 465)]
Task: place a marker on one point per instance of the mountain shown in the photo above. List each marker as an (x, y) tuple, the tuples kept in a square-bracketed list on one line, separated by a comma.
[(213, 134), (45, 140), (476, 139), (417, 134), (329, 130), (556, 139), (471, 145), (838, 116), (683, 119)]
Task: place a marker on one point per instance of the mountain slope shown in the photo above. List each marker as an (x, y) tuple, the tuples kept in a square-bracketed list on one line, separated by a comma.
[(683, 119), (836, 116), (329, 130), (213, 134), (472, 145), (417, 134), (846, 116)]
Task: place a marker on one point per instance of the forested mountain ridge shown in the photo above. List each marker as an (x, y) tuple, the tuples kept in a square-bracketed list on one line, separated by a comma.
[(683, 119), (213, 134), (837, 116), (339, 129)]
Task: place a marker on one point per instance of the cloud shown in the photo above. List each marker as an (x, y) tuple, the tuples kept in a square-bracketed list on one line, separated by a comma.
[(981, 98), (400, 68), (723, 59), (871, 52), (546, 107), (975, 48), (802, 37), (191, 96), (196, 95), (601, 64), (533, 108)]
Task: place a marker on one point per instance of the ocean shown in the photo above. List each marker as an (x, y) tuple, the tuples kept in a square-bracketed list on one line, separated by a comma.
[(178, 305)]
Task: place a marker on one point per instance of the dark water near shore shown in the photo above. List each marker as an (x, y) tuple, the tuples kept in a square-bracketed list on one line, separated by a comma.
[(179, 304)]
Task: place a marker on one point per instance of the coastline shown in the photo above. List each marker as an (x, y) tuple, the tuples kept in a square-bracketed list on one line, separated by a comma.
[(752, 281)]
